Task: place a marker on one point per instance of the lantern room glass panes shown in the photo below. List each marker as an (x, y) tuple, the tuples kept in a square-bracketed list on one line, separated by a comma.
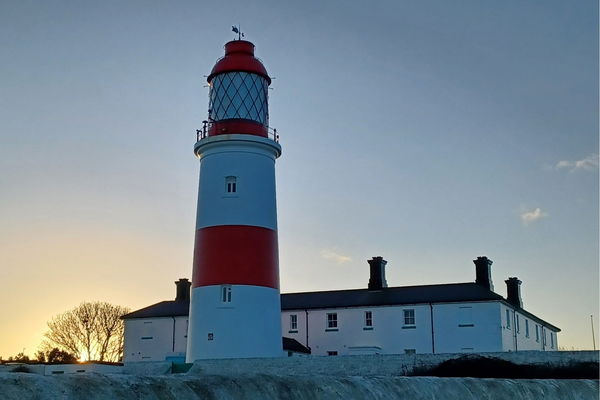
[(239, 95)]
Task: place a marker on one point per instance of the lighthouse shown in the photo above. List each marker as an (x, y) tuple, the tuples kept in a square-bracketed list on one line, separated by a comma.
[(235, 309)]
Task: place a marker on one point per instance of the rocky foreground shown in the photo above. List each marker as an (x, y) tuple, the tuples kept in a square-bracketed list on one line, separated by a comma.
[(91, 386)]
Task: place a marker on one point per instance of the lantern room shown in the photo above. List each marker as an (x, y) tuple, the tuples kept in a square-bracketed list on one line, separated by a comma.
[(238, 95)]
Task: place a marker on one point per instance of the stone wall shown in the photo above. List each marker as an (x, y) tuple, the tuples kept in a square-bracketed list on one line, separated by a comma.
[(374, 365)]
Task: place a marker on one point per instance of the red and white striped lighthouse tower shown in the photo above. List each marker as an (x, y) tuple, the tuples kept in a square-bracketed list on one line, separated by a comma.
[(235, 309)]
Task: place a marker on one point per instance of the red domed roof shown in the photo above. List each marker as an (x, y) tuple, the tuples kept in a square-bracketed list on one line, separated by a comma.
[(239, 56)]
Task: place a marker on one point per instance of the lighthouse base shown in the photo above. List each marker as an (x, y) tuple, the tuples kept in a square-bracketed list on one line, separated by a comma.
[(234, 321)]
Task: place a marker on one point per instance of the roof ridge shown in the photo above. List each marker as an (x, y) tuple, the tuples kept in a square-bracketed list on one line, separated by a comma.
[(384, 289)]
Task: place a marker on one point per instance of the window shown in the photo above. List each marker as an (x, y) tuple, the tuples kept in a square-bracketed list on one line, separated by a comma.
[(332, 322), (293, 322), (332, 353), (410, 351), (231, 184), (368, 319), (551, 340), (240, 95), (409, 317), (526, 328), (226, 294), (537, 333), (507, 318), (543, 336), (147, 338), (517, 322)]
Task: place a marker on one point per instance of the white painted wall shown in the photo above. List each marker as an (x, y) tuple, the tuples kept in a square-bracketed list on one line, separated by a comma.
[(59, 369), (251, 159), (489, 333), (352, 337), (240, 328), (516, 338), (467, 327), (151, 339), (458, 328)]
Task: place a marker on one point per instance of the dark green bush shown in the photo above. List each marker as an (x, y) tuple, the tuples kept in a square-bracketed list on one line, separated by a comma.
[(487, 367)]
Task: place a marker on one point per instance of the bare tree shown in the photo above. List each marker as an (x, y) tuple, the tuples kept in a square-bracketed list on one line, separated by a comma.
[(92, 330)]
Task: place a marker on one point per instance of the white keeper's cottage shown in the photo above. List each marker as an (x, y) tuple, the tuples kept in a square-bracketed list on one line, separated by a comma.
[(445, 318)]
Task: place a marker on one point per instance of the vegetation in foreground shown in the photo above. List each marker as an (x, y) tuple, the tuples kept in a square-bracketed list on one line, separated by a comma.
[(489, 367)]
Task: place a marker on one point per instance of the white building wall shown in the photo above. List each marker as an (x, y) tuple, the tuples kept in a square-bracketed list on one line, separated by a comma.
[(154, 339), (467, 327), (389, 335), (458, 327), (519, 333)]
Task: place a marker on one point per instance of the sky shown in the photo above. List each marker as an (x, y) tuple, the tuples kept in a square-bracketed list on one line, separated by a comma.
[(427, 132)]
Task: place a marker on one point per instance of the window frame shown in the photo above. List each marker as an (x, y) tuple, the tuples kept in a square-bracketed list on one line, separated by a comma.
[(331, 322), (407, 317), (368, 319), (293, 323), (231, 184), (226, 294)]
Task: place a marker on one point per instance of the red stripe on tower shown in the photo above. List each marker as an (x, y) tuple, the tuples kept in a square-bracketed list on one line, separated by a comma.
[(236, 254)]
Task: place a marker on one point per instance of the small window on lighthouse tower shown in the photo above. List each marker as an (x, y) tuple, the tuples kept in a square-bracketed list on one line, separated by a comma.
[(226, 294), (231, 184)]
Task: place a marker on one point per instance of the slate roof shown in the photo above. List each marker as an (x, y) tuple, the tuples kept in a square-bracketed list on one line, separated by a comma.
[(453, 292), (163, 309), (443, 293)]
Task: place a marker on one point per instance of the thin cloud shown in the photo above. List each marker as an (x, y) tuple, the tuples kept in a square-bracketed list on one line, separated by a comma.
[(334, 256), (529, 217), (588, 163)]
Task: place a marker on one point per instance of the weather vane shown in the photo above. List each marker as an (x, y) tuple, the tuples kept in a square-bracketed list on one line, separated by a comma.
[(238, 30)]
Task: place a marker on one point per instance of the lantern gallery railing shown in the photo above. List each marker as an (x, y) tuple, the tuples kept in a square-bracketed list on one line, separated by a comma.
[(204, 132)]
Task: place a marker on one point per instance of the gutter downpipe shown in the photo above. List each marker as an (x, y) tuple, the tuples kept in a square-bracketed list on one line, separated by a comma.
[(173, 334), (306, 320), (515, 339), (432, 333)]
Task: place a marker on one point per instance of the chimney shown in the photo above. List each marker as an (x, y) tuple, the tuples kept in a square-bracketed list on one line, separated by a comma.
[(513, 292), (483, 272), (377, 280), (183, 289)]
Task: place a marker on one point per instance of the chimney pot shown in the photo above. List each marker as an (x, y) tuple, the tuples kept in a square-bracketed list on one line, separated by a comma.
[(183, 289), (513, 291), (483, 272), (377, 269)]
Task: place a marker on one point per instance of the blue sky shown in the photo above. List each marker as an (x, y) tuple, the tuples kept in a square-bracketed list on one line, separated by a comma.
[(426, 132)]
